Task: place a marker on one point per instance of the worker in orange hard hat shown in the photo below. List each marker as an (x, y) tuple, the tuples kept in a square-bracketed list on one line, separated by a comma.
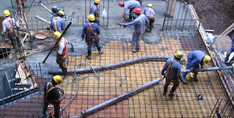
[(172, 72), (196, 58), (149, 12), (9, 27), (95, 11), (131, 5), (139, 28), (53, 95)]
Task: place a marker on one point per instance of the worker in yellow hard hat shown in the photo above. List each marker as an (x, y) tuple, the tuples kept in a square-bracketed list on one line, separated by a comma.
[(95, 11), (196, 58), (172, 72), (90, 33), (53, 95), (58, 23), (9, 27), (149, 12), (62, 52)]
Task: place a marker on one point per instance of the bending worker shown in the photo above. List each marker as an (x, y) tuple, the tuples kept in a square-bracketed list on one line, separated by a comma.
[(139, 28), (231, 49), (172, 72), (9, 27), (58, 23), (150, 14), (95, 11), (90, 32), (53, 95), (196, 58), (131, 5), (62, 53)]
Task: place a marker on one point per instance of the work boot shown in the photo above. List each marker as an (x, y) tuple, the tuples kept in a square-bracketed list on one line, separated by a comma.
[(135, 50), (100, 51), (165, 92), (171, 95), (88, 57), (184, 80), (195, 78)]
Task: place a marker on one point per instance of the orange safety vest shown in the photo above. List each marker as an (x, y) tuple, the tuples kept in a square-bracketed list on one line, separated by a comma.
[(150, 9)]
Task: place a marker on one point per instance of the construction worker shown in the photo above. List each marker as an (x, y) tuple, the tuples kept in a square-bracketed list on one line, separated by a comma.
[(90, 32), (139, 28), (231, 49), (196, 58), (9, 27), (149, 12), (95, 11), (172, 72), (62, 53), (53, 95), (131, 5), (58, 23)]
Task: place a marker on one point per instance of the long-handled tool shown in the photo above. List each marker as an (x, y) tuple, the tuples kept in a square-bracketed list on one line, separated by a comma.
[(57, 41)]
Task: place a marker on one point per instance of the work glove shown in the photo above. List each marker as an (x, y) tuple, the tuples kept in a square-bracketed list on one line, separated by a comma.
[(194, 70), (122, 20)]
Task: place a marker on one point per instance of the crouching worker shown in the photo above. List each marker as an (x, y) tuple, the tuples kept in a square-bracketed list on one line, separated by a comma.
[(172, 73), (62, 53), (53, 95), (90, 32)]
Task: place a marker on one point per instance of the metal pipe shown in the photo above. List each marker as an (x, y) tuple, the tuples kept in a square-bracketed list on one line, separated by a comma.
[(119, 98), (42, 19), (111, 65), (47, 9), (207, 69)]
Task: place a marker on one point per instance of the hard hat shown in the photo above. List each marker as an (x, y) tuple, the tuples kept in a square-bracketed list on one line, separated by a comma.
[(6, 13), (206, 59), (97, 1), (61, 13), (91, 17), (137, 10), (121, 3), (150, 5), (57, 34), (179, 54), (58, 79)]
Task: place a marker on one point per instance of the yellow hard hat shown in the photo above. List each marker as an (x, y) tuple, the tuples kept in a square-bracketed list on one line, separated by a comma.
[(6, 13), (150, 5), (58, 79), (61, 12), (97, 1), (91, 17), (206, 59), (179, 54), (57, 34)]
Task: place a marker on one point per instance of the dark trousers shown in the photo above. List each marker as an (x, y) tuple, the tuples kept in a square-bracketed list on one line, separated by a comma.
[(62, 62), (175, 86), (56, 107), (89, 44)]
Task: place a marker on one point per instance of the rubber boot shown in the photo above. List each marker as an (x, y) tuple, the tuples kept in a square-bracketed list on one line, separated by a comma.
[(184, 80), (195, 78), (184, 75), (100, 50), (165, 91), (88, 56)]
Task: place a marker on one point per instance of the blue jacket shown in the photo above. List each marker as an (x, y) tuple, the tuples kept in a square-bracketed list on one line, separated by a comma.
[(94, 10), (60, 24), (139, 23), (233, 42), (176, 67), (90, 34), (195, 58)]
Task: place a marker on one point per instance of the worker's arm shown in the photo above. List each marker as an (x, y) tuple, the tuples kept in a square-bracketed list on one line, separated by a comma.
[(84, 30), (123, 17), (3, 26)]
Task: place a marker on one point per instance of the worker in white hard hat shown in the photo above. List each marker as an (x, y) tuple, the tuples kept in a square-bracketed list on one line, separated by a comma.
[(58, 23), (9, 27), (172, 72), (150, 14), (62, 52), (195, 59), (95, 11), (53, 95), (90, 33)]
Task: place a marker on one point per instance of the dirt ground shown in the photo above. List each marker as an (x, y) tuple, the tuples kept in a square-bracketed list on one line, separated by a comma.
[(215, 14)]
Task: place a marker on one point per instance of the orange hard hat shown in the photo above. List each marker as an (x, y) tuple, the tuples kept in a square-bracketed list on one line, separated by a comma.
[(137, 10), (121, 3)]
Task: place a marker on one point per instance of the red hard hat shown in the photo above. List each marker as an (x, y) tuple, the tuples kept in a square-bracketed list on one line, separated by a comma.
[(137, 10), (121, 3)]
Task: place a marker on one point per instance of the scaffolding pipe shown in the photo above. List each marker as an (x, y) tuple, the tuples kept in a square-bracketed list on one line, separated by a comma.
[(42, 19), (119, 98)]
